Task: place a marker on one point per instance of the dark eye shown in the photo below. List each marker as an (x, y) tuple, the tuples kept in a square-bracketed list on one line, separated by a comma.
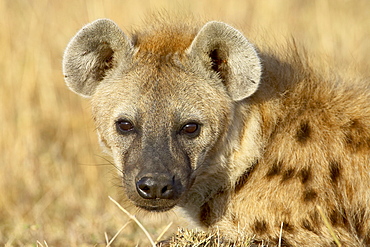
[(124, 126), (191, 129)]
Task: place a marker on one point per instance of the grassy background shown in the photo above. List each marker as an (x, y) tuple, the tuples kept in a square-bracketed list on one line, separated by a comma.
[(54, 183)]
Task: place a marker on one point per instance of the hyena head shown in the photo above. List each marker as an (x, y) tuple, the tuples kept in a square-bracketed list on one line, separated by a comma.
[(162, 102)]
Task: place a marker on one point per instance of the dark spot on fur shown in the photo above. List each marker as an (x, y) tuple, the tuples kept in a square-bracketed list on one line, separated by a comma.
[(134, 39), (303, 133), (309, 195), (338, 218), (307, 225), (242, 180), (288, 227), (205, 214), (305, 175), (355, 136), (283, 242), (312, 223), (344, 218), (358, 221), (234, 220), (220, 191), (334, 169), (367, 239), (333, 244), (259, 226), (104, 141), (256, 243), (335, 218), (274, 170), (315, 218), (287, 174)]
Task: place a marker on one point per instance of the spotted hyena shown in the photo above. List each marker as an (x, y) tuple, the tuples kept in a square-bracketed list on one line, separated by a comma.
[(244, 140)]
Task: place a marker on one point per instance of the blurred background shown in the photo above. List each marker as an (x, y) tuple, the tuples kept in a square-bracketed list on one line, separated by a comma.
[(54, 181)]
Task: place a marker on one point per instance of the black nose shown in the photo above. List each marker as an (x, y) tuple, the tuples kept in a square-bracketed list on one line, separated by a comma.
[(156, 186)]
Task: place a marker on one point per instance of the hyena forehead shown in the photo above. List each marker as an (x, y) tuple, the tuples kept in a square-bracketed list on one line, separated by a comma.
[(102, 52), (142, 97)]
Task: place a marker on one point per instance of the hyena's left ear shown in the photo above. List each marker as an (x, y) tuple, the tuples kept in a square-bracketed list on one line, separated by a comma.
[(223, 49)]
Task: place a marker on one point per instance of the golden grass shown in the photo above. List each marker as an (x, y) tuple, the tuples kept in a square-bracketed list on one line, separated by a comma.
[(54, 185)]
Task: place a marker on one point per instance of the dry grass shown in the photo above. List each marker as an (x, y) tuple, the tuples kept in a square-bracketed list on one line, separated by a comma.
[(54, 185)]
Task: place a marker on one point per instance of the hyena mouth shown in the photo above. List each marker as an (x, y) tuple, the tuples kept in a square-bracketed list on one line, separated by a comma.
[(153, 204), (156, 208)]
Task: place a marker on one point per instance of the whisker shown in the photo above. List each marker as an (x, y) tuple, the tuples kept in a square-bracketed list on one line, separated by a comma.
[(111, 163)]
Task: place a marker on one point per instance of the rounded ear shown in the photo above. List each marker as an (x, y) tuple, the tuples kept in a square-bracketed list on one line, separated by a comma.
[(96, 51), (223, 49)]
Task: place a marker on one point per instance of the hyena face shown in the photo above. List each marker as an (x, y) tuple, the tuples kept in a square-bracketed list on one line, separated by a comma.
[(159, 127), (161, 106)]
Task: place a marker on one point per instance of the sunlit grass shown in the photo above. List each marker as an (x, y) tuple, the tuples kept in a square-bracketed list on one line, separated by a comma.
[(54, 184)]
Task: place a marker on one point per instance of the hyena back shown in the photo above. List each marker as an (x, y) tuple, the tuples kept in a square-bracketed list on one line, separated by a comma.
[(243, 142)]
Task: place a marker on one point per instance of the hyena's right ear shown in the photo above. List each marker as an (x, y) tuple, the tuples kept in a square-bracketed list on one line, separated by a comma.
[(221, 48), (93, 54)]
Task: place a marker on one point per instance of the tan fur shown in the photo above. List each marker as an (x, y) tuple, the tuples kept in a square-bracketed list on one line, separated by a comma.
[(264, 158), (162, 37)]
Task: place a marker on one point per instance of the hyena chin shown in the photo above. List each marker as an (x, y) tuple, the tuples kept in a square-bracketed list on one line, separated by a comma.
[(249, 143)]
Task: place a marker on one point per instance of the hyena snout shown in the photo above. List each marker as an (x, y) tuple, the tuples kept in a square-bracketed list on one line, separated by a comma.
[(158, 186)]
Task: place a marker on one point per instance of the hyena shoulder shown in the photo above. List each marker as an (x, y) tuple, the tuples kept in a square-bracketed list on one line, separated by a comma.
[(315, 129)]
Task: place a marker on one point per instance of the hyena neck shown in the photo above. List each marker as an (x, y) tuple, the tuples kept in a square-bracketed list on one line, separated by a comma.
[(246, 151), (236, 154), (234, 158)]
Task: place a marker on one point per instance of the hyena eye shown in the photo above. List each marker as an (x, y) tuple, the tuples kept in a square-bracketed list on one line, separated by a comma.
[(124, 126), (190, 129)]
